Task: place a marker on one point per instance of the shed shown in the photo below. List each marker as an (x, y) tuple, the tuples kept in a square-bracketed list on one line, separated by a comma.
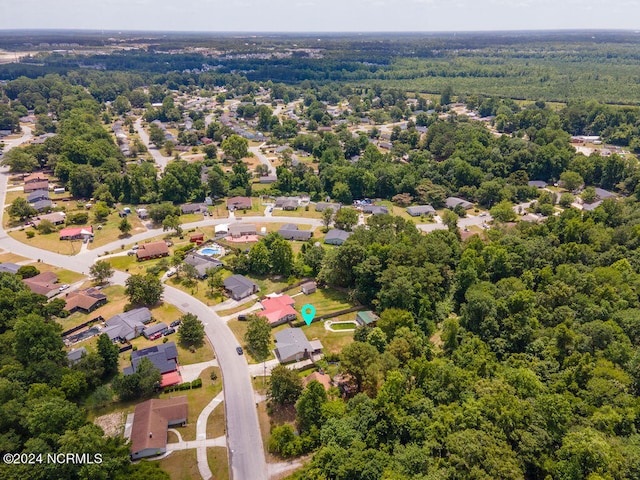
[(308, 287), (366, 317)]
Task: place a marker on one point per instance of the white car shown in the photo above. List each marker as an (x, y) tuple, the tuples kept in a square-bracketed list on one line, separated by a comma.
[(64, 287)]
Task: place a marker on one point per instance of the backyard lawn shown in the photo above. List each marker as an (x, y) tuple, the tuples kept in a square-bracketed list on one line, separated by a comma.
[(325, 300), (181, 464), (333, 342)]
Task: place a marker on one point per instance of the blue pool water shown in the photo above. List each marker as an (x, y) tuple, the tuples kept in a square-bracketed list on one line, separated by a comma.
[(210, 251)]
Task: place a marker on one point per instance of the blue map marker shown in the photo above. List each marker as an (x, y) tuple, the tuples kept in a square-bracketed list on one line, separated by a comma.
[(308, 312)]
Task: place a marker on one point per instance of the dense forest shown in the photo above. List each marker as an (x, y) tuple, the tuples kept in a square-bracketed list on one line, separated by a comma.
[(514, 354)]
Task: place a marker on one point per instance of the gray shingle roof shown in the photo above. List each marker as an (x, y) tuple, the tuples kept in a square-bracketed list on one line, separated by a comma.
[(420, 210), (336, 236), (291, 342), (163, 356)]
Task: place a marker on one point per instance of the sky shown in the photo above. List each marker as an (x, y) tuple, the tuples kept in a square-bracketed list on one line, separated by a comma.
[(320, 15)]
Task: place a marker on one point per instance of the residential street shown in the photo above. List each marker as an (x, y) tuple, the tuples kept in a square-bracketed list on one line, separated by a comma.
[(160, 159)]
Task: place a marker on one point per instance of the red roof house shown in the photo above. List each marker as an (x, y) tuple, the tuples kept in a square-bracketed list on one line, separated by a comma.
[(76, 233), (147, 251), (278, 310)]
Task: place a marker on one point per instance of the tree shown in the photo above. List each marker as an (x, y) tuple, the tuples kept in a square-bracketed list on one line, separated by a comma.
[(346, 219), (210, 151), (156, 135), (450, 219), (108, 351), (38, 346), (285, 386), (121, 105), (235, 147), (259, 259), (45, 227), (21, 209), (140, 384), (144, 289), (191, 331), (172, 222), (125, 226), (571, 180), (503, 211), (28, 271), (83, 180), (356, 359), (101, 272), (19, 161), (327, 217), (258, 337), (158, 212), (589, 195), (281, 256), (309, 406), (445, 95)]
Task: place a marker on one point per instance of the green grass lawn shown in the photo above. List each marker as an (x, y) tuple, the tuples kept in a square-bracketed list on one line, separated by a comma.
[(199, 290), (239, 329), (64, 276), (50, 242), (181, 465), (333, 342), (257, 209), (325, 300), (215, 422), (239, 308), (300, 212), (218, 463), (110, 232)]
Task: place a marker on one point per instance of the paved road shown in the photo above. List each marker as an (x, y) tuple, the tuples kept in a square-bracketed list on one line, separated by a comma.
[(14, 142), (246, 453), (160, 159)]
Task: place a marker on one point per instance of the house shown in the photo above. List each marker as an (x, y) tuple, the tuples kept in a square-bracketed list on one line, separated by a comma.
[(321, 377), (421, 210), (308, 287), (197, 238), (537, 183), (322, 206), (292, 345), (56, 218), (268, 179), (74, 356), (151, 250), (43, 284), (366, 317), (222, 229), (86, 300), (336, 236), (193, 208), (375, 209), (142, 213), (291, 203), (291, 232), (42, 205), (128, 325), (278, 310), (76, 233), (155, 329), (164, 357), (453, 202), (202, 263), (240, 287), (9, 268), (242, 229), (35, 178), (34, 186), (37, 196), (151, 421), (239, 203)]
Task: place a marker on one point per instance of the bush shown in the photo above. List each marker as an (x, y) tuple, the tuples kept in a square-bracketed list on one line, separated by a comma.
[(31, 234), (197, 383), (165, 340)]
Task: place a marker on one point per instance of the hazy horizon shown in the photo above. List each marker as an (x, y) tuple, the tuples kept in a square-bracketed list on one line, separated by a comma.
[(328, 16)]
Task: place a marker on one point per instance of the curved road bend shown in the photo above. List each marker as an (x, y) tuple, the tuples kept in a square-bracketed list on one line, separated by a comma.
[(246, 454)]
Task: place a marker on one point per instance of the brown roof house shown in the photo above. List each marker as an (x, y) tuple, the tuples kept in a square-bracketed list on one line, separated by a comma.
[(239, 203), (34, 186), (151, 250), (86, 300), (151, 421), (35, 177), (43, 284)]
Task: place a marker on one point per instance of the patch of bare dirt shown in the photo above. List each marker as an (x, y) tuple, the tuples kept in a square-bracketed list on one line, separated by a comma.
[(112, 424)]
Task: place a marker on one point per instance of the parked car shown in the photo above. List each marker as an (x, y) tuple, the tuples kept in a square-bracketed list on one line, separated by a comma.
[(64, 287), (169, 331), (175, 323), (131, 252), (239, 350), (242, 318), (155, 336)]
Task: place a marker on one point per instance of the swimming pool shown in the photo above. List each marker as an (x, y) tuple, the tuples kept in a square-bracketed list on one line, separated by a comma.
[(208, 251)]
